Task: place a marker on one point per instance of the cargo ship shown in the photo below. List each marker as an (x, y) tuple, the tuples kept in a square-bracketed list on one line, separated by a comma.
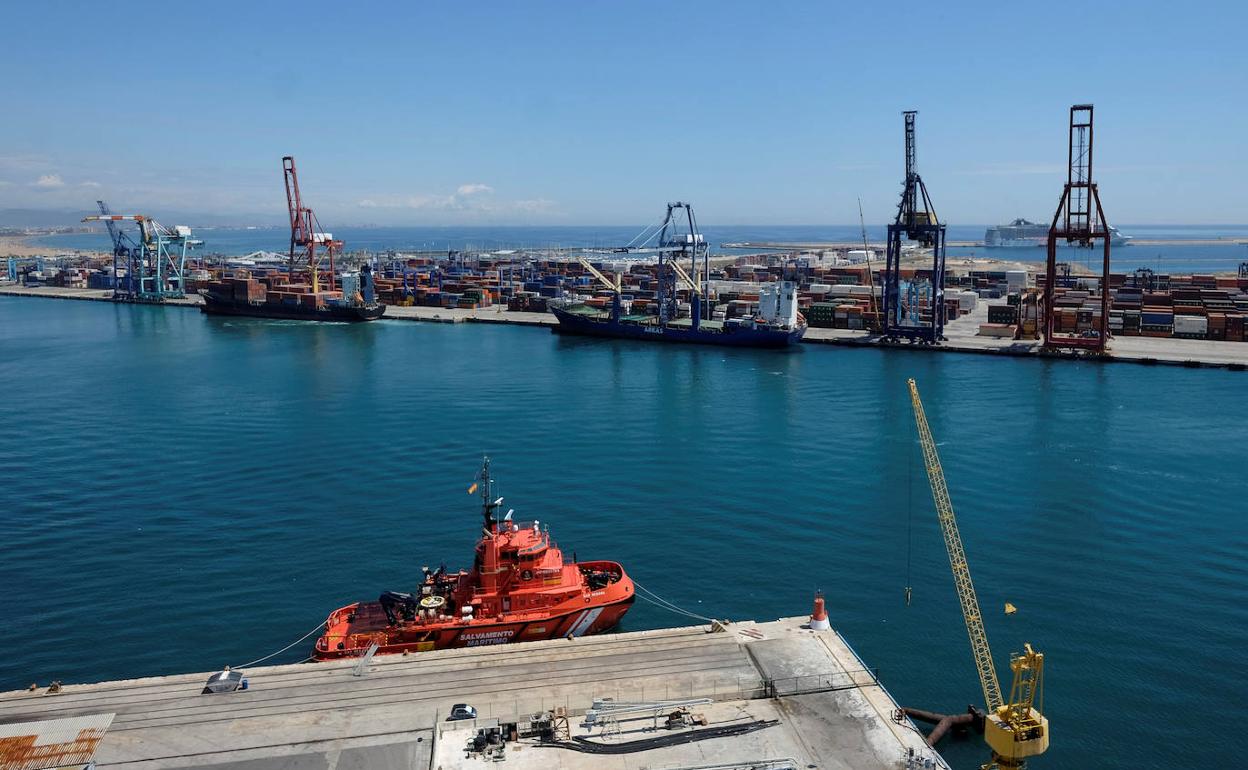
[(1022, 234), (777, 323), (273, 296), (280, 294), (520, 588)]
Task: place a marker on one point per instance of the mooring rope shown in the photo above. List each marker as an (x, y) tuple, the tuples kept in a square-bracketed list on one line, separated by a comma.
[(659, 601), (643, 593), (284, 649)]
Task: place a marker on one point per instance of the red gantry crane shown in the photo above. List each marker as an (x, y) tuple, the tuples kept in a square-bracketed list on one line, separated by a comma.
[(305, 231), (1080, 221)]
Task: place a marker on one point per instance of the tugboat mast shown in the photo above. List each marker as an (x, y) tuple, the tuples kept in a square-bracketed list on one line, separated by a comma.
[(488, 504)]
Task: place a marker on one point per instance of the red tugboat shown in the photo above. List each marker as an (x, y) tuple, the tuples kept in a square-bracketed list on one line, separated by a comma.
[(520, 589)]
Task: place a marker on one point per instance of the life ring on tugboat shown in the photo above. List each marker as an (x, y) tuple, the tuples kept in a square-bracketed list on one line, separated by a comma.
[(526, 575)]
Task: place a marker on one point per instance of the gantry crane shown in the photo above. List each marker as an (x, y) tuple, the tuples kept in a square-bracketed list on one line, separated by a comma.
[(125, 254), (673, 244), (671, 240), (1014, 729), (1079, 220), (916, 220), (154, 266), (305, 230)]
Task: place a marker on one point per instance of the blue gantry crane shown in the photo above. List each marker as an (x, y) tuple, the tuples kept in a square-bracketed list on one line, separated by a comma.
[(155, 261), (914, 309), (671, 240), (126, 255)]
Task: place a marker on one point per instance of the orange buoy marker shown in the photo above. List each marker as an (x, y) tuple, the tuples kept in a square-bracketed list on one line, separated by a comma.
[(819, 618)]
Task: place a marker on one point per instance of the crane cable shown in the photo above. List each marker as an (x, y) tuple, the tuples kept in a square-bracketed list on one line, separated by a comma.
[(909, 519)]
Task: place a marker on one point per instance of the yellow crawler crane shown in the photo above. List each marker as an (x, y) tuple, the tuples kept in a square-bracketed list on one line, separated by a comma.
[(1014, 729)]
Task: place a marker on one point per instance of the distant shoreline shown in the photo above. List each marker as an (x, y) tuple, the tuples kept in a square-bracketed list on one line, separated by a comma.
[(22, 246)]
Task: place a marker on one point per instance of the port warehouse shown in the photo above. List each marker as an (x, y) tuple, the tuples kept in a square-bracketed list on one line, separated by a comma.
[(835, 295)]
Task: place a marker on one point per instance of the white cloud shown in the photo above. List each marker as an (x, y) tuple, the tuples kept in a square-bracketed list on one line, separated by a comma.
[(90, 184), (49, 182), (467, 197)]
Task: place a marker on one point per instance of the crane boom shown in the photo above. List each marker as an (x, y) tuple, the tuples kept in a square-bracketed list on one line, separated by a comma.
[(957, 558), (305, 229), (689, 282), (595, 272), (1018, 729)]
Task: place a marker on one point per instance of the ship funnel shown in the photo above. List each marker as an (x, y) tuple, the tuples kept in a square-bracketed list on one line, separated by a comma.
[(819, 618)]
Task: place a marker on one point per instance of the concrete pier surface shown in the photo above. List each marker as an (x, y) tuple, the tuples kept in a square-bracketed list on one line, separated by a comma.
[(818, 705), (962, 334)]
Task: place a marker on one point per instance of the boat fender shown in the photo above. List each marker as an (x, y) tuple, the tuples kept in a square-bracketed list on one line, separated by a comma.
[(526, 575)]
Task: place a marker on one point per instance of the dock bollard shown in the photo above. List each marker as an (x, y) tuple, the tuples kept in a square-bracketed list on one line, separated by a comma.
[(819, 618)]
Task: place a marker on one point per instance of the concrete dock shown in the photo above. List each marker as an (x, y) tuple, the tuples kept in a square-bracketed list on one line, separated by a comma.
[(813, 703), (962, 334)]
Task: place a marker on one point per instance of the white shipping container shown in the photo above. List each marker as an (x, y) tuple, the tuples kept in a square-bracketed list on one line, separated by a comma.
[(1191, 324), (967, 300), (1016, 279)]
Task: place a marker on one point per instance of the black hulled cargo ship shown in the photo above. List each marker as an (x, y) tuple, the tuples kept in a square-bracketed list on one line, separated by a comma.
[(751, 332), (274, 297), (776, 324), (281, 294)]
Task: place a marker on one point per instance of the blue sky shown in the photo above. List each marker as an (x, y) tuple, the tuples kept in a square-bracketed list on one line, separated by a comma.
[(598, 113)]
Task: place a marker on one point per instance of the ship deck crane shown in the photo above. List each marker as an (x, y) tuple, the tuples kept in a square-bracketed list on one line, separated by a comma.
[(916, 220), (1014, 729), (614, 286), (305, 230)]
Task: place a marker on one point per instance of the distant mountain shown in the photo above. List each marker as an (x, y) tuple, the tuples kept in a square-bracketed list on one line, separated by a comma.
[(41, 218)]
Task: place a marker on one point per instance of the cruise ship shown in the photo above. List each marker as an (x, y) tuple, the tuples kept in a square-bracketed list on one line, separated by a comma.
[(1023, 233)]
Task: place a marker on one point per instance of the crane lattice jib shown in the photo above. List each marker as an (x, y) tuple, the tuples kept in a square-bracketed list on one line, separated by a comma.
[(957, 558)]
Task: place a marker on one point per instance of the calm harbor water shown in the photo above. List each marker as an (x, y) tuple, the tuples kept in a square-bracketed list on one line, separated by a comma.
[(181, 492), (1173, 258)]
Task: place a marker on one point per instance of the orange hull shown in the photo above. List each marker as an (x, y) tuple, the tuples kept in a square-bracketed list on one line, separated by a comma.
[(352, 629), (519, 589)]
